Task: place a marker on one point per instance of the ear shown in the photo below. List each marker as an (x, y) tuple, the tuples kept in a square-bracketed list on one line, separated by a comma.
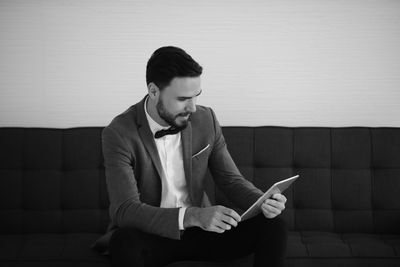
[(153, 90)]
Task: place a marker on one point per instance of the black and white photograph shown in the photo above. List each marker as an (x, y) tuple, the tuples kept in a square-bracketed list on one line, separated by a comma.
[(182, 133)]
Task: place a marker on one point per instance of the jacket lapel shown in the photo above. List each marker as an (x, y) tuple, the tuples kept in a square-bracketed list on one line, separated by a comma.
[(147, 137), (186, 137)]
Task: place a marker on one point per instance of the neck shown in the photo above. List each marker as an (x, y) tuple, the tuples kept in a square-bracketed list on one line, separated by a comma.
[(152, 110)]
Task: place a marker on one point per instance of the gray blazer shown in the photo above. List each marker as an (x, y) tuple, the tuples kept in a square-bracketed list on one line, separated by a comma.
[(133, 170)]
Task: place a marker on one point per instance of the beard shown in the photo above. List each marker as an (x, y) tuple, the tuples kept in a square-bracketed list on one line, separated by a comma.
[(171, 118)]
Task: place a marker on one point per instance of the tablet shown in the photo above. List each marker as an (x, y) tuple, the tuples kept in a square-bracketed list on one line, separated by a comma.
[(276, 188)]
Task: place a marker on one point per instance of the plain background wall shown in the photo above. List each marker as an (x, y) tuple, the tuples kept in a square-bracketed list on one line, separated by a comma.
[(288, 63)]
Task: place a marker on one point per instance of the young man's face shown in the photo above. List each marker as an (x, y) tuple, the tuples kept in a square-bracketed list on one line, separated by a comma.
[(178, 100)]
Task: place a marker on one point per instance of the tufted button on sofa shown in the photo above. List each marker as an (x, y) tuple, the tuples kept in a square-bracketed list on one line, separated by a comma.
[(344, 210)]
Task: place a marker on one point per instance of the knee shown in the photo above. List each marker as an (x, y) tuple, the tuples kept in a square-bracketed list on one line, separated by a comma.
[(273, 231), (125, 248), (278, 224), (125, 238), (275, 227), (120, 236)]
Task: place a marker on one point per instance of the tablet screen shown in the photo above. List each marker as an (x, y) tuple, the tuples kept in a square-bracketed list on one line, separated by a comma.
[(278, 187)]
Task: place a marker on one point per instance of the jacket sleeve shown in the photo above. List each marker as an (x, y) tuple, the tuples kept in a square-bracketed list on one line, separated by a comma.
[(126, 209), (226, 175)]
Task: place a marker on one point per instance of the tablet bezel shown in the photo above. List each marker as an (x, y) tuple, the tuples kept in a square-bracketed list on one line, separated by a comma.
[(277, 187)]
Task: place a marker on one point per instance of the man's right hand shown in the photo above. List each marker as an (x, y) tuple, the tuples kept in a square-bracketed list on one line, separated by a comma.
[(214, 219)]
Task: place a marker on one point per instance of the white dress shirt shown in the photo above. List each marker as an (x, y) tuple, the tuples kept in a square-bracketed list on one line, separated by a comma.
[(174, 191)]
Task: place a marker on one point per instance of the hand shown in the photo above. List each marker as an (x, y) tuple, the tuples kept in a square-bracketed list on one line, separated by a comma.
[(214, 219), (273, 207)]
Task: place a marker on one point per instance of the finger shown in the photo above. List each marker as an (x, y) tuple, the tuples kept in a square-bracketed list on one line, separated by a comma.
[(271, 209), (216, 229), (280, 198), (231, 213), (222, 225), (215, 226), (229, 220), (276, 204), (268, 214)]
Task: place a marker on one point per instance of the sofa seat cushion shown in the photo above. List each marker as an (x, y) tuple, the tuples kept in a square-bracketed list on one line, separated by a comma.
[(328, 249), (74, 249), (334, 245), (50, 248), (240, 262)]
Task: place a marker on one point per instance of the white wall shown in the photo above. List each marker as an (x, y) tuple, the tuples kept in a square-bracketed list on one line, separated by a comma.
[(289, 63)]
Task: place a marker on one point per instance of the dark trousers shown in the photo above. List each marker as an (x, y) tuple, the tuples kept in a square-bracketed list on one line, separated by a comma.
[(266, 238)]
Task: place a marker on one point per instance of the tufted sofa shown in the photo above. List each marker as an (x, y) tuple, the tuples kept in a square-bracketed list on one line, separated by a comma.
[(343, 211)]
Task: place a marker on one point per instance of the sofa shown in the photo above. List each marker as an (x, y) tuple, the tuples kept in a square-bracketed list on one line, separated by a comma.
[(344, 210)]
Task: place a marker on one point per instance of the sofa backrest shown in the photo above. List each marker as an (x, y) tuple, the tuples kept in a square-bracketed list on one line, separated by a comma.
[(52, 180), (349, 177)]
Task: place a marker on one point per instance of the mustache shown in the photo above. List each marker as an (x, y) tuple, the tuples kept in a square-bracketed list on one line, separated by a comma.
[(183, 114)]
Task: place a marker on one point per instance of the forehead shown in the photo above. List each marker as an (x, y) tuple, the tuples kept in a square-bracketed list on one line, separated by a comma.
[(183, 87)]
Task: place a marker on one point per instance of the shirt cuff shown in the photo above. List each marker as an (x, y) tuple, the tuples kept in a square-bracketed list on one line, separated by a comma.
[(181, 217)]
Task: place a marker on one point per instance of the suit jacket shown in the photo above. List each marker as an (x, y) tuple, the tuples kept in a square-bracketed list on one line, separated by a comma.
[(133, 170)]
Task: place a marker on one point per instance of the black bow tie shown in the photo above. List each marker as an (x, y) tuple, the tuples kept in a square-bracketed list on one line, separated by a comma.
[(170, 130)]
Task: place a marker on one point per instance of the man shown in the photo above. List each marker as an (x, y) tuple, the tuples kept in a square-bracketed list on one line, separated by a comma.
[(156, 156)]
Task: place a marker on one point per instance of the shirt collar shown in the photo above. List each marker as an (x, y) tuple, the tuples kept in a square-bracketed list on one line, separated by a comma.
[(154, 126)]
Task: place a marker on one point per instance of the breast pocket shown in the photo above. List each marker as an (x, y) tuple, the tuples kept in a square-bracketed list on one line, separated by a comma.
[(200, 161), (202, 151)]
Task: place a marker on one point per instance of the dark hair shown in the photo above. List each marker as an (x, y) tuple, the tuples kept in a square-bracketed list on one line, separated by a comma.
[(169, 62)]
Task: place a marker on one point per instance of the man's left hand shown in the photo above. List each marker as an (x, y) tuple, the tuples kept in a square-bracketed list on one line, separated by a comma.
[(274, 206)]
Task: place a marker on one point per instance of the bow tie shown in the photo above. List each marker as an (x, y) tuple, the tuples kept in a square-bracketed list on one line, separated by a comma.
[(170, 130)]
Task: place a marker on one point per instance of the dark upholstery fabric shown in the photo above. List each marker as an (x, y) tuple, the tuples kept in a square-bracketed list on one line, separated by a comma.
[(343, 211), (52, 181), (349, 177), (50, 249)]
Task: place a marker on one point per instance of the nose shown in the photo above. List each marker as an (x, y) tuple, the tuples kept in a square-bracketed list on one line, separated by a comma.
[(191, 106)]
